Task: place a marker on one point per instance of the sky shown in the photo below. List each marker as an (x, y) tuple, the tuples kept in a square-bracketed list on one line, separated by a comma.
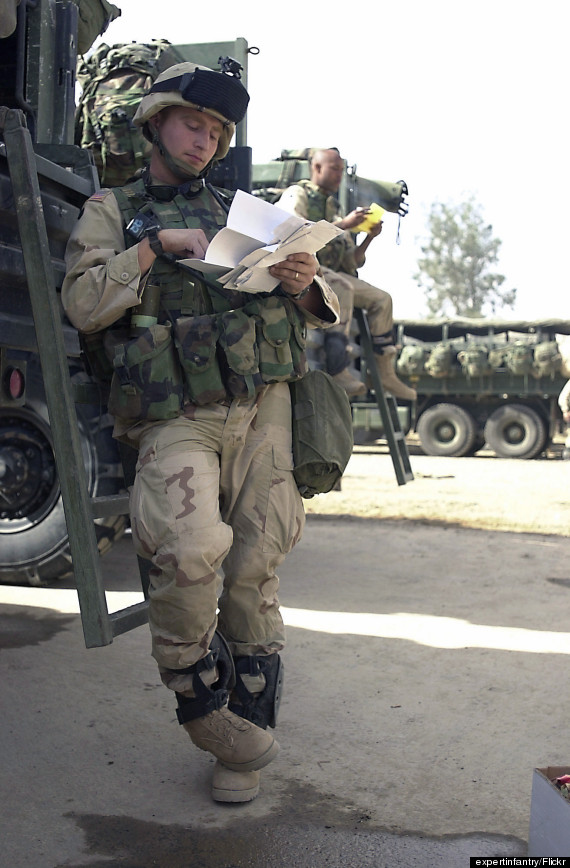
[(458, 99)]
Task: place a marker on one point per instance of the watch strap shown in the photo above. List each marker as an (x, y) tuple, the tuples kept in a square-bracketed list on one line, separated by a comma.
[(154, 241)]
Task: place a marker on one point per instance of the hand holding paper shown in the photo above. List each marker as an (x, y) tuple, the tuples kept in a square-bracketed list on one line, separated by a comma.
[(257, 236)]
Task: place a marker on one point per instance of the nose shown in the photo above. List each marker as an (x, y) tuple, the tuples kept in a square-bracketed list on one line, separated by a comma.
[(201, 137)]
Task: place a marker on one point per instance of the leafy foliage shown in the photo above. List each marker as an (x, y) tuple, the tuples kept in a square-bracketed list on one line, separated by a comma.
[(455, 269)]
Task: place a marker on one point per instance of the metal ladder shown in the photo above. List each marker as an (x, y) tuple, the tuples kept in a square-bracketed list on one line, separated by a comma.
[(386, 405), (99, 626)]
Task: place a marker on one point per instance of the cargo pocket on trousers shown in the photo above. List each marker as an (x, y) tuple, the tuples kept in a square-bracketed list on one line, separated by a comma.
[(285, 516)]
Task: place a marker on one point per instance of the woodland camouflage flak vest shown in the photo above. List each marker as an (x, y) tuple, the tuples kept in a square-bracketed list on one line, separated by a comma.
[(338, 254), (113, 81), (208, 344)]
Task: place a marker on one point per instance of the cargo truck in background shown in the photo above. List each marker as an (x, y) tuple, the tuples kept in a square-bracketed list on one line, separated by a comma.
[(480, 382)]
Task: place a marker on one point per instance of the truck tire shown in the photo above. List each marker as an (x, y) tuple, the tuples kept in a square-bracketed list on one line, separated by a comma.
[(516, 431), (34, 545), (447, 429)]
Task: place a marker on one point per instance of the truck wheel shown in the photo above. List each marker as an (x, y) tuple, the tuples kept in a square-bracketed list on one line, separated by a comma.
[(516, 431), (477, 445), (34, 544), (447, 429)]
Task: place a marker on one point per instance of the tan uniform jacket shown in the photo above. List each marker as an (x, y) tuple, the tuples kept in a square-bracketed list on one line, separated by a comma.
[(104, 280)]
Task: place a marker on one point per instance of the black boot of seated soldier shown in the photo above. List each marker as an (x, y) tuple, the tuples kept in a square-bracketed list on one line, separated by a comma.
[(258, 688), (237, 743)]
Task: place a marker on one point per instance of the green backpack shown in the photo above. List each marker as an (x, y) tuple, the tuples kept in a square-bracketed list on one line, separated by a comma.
[(547, 359), (441, 360), (474, 361), (411, 360), (497, 357), (113, 81), (520, 359)]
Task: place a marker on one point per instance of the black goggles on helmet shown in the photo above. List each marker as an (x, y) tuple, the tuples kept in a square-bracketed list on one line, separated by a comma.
[(209, 90)]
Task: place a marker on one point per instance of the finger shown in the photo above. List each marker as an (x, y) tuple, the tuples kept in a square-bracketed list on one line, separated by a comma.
[(197, 248)]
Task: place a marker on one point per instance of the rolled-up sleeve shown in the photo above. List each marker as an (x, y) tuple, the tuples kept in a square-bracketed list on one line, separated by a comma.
[(330, 306), (103, 279)]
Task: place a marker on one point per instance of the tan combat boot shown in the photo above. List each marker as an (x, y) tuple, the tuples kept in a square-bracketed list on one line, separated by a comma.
[(229, 786), (389, 378), (239, 744), (351, 385)]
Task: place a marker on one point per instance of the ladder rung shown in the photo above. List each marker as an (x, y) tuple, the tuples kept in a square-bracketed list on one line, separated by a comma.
[(129, 618), (112, 504)]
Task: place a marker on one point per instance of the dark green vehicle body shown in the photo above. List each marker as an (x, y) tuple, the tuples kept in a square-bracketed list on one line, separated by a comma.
[(38, 64)]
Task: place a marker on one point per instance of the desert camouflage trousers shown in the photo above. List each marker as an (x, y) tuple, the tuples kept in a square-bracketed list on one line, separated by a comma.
[(215, 507), (353, 292)]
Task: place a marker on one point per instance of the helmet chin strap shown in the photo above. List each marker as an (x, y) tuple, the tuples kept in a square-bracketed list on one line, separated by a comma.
[(182, 171)]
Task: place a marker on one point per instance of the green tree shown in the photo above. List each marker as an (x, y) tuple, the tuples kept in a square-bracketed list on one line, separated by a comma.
[(455, 268)]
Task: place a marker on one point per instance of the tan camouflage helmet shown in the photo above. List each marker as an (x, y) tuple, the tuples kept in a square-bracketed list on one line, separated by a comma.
[(187, 84)]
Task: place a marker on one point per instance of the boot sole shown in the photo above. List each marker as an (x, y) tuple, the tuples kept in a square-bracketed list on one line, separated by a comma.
[(219, 794)]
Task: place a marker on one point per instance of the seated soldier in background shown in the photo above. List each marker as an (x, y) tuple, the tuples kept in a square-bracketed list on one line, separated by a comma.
[(316, 200)]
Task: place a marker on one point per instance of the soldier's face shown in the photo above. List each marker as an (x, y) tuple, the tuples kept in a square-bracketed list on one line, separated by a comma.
[(189, 135), (328, 171)]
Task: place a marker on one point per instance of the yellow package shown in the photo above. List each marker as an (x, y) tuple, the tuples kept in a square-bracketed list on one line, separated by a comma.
[(372, 218)]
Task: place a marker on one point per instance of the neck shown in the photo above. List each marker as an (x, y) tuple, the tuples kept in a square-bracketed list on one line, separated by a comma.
[(160, 171), (322, 189)]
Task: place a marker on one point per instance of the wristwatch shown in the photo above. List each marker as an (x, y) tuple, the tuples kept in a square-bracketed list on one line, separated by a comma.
[(154, 241)]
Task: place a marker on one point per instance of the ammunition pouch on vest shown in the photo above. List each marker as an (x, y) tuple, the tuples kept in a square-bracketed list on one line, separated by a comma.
[(148, 381), (213, 357), (235, 353)]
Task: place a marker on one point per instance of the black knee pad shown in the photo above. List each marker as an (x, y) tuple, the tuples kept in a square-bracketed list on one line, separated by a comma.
[(260, 708), (336, 352), (212, 698)]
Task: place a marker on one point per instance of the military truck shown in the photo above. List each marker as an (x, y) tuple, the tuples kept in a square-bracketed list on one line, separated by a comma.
[(38, 69), (37, 77), (479, 381), (38, 62)]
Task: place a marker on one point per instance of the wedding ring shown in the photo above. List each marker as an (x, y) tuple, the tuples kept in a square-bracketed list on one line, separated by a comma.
[(296, 275)]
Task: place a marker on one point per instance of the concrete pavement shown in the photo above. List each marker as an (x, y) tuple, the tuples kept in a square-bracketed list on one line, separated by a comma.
[(426, 675)]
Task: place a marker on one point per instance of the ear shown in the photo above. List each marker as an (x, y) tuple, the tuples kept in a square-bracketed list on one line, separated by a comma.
[(155, 121)]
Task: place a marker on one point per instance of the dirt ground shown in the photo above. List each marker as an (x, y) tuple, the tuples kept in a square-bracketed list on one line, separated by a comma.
[(482, 492)]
